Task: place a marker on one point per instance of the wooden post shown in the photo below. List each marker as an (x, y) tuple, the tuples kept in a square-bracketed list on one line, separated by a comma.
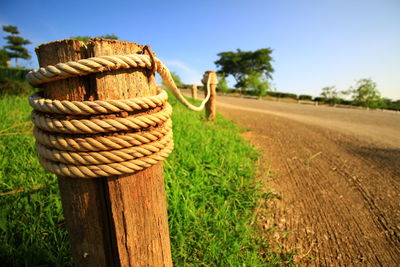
[(211, 105), (119, 220), (194, 91)]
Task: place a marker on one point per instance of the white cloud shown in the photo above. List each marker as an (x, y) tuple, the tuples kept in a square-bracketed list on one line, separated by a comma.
[(188, 75)]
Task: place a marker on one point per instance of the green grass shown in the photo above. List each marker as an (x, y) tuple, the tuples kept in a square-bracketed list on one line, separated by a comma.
[(17, 74), (28, 221), (210, 189)]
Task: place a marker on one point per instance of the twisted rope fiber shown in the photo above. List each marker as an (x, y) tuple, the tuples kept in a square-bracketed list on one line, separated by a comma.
[(96, 107), (100, 143), (95, 155), (99, 157), (105, 63), (93, 126), (135, 151), (103, 170)]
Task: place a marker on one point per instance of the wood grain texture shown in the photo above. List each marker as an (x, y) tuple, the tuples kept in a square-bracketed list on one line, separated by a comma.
[(114, 221), (194, 91), (137, 202), (211, 105)]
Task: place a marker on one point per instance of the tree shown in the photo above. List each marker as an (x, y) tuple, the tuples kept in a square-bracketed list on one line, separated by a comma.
[(258, 83), (15, 44), (11, 29), (222, 84), (3, 58), (176, 79), (243, 65), (366, 94), (330, 95), (86, 38)]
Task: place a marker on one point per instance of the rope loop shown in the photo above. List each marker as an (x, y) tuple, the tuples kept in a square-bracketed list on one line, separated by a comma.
[(38, 103), (89, 139), (105, 63), (106, 125), (90, 147)]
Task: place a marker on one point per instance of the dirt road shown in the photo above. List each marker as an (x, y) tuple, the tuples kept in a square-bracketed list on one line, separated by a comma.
[(338, 173)]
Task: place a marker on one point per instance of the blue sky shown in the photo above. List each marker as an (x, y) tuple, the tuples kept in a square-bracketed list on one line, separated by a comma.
[(315, 43)]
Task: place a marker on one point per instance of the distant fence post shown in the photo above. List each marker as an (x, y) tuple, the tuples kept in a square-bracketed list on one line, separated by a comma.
[(194, 91), (211, 105), (117, 220)]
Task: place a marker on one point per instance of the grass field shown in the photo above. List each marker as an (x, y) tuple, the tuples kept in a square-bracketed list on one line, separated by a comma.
[(210, 189)]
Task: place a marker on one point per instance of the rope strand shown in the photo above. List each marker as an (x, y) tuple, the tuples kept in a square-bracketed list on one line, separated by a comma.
[(90, 147), (105, 63)]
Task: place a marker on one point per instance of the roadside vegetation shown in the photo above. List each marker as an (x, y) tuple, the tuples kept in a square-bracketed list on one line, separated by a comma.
[(14, 48), (364, 93), (252, 71), (210, 188), (12, 79), (210, 183)]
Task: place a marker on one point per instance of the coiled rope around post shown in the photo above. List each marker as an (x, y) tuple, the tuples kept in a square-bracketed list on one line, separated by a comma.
[(105, 63), (91, 147)]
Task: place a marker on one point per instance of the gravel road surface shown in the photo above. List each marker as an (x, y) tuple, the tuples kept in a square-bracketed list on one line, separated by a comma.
[(337, 171)]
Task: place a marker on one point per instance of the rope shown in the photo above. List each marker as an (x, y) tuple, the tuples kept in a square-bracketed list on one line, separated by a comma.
[(120, 151), (105, 63), (93, 126), (100, 143), (110, 156), (104, 170), (96, 107), (76, 139)]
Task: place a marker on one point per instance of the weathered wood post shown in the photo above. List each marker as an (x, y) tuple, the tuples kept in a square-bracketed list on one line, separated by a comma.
[(118, 220), (211, 105), (194, 91)]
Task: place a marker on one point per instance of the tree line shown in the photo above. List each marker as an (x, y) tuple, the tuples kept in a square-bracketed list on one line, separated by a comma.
[(364, 93), (252, 71)]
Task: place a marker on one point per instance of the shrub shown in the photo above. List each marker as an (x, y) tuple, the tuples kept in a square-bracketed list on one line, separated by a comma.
[(344, 102), (305, 97), (222, 85), (391, 104), (185, 86), (287, 95), (14, 87), (282, 95), (17, 74)]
